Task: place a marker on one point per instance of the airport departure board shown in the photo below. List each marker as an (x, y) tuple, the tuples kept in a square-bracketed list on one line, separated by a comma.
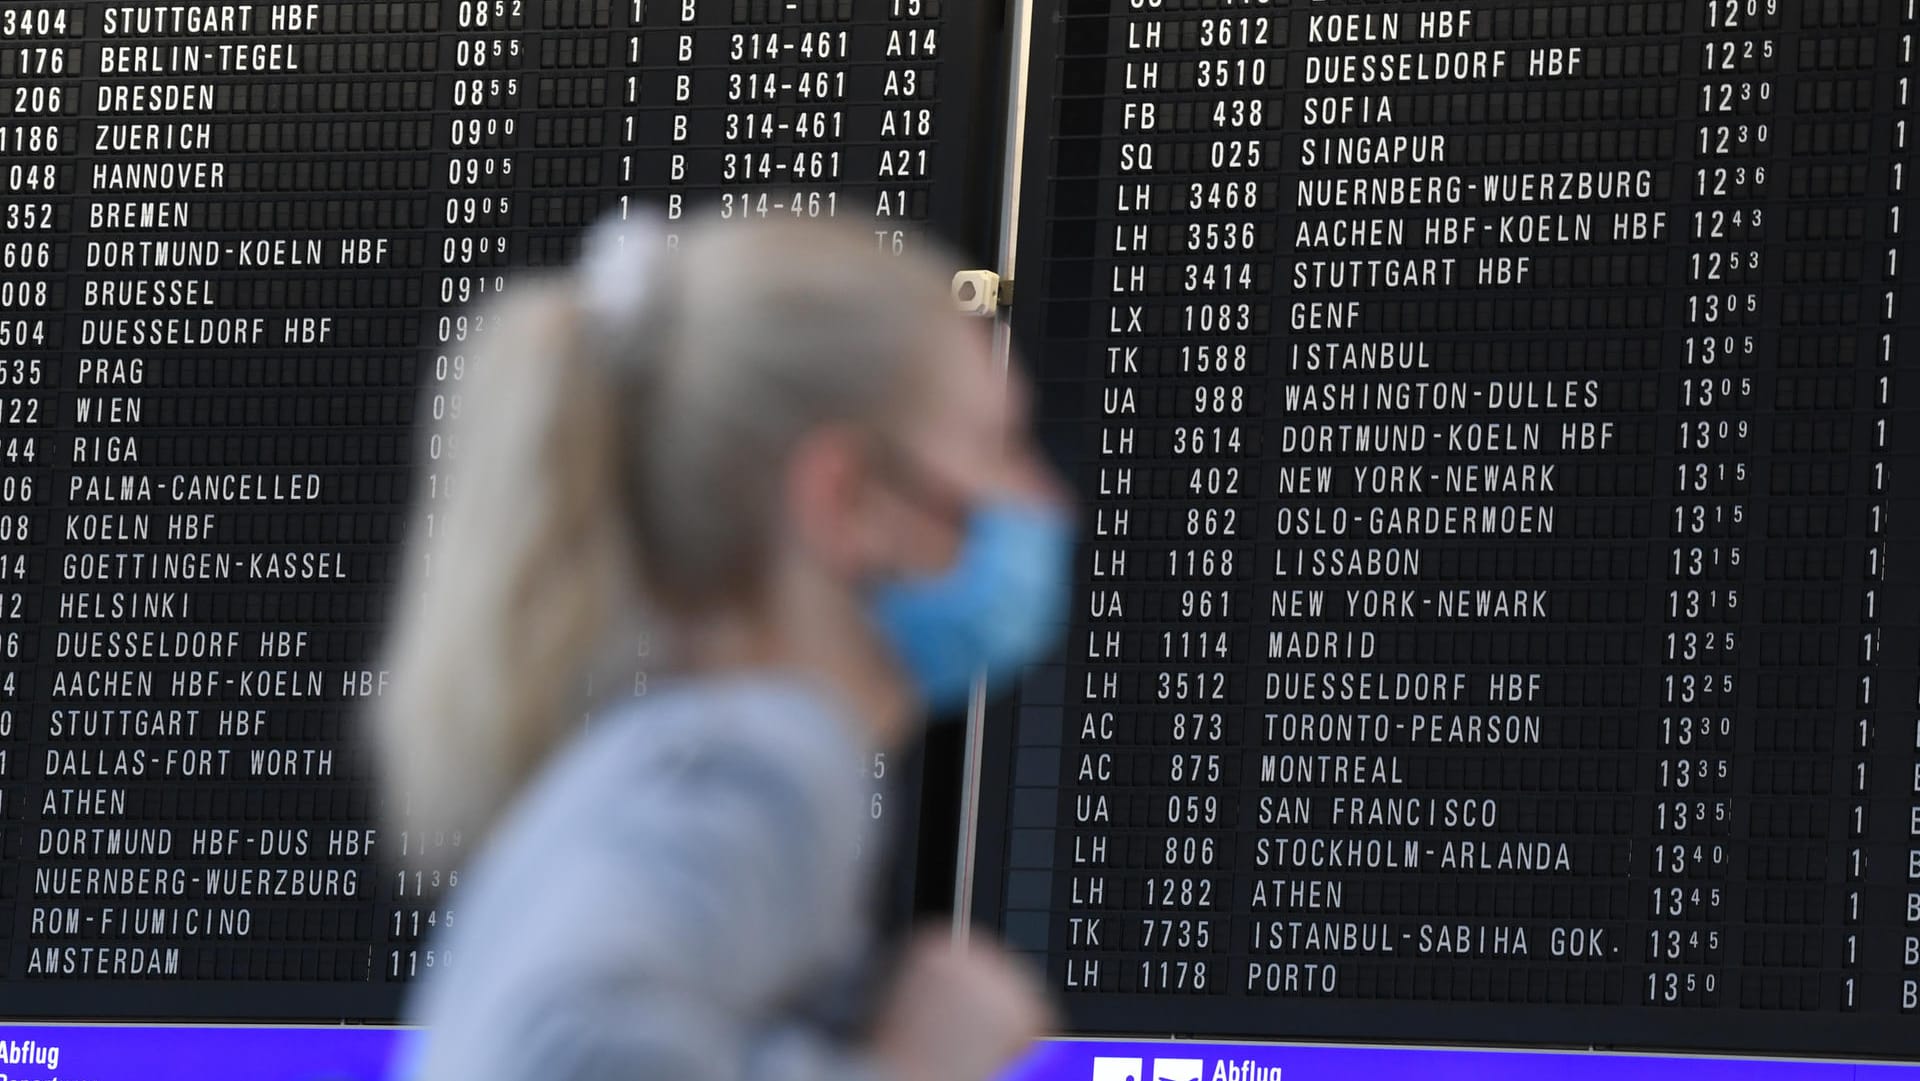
[(1496, 615), (238, 246)]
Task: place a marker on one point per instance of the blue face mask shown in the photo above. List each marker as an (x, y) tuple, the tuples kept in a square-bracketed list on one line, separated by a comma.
[(1001, 605)]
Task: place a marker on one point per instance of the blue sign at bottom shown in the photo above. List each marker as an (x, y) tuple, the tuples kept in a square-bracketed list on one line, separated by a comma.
[(167, 1053), (1104, 1060)]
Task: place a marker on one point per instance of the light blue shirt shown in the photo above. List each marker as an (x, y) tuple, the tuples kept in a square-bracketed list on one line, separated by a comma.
[(670, 899)]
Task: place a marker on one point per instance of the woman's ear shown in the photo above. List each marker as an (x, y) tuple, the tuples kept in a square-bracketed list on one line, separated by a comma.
[(830, 509)]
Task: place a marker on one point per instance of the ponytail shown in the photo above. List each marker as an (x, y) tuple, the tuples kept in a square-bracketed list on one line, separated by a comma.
[(519, 571)]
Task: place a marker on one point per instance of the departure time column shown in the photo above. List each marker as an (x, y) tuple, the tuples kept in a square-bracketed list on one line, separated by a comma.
[(1709, 478), (476, 138)]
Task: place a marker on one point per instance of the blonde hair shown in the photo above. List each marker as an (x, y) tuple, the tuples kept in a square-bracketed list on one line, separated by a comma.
[(618, 467)]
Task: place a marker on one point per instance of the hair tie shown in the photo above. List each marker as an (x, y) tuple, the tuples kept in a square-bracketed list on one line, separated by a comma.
[(620, 261)]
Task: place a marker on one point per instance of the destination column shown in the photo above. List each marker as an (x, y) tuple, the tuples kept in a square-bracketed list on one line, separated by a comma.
[(1472, 301), (241, 390)]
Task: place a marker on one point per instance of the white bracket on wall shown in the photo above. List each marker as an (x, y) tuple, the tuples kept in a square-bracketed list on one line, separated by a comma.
[(980, 292)]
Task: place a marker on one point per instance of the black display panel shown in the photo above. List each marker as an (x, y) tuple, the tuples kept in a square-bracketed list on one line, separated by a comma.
[(1496, 615), (237, 246)]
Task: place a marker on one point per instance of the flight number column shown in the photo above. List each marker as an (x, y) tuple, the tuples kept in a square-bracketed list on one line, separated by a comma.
[(1198, 211), (1178, 323), (1220, 137), (40, 64)]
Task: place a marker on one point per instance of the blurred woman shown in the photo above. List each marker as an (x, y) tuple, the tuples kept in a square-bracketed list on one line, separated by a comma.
[(777, 457)]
